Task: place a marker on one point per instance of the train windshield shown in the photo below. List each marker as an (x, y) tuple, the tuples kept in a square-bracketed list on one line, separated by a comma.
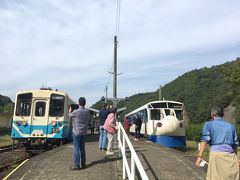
[(24, 103), (175, 105), (158, 114), (56, 105), (179, 114), (167, 112), (159, 105)]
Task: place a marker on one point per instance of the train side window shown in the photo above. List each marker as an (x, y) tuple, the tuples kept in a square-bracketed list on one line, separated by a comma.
[(144, 115), (131, 119), (40, 108)]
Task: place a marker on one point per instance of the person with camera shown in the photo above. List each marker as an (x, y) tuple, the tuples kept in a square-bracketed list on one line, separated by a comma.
[(79, 119)]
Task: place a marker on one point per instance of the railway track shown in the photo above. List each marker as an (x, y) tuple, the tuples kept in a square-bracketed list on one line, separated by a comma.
[(11, 159), (5, 149), (12, 164)]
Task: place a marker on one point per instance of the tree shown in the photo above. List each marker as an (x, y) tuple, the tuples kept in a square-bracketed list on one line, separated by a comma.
[(233, 76)]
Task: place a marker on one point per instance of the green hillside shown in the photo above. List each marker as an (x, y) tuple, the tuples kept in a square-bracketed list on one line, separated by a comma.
[(199, 90), (5, 104)]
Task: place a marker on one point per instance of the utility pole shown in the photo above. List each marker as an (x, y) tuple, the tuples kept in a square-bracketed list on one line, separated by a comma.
[(160, 93), (115, 100), (106, 94)]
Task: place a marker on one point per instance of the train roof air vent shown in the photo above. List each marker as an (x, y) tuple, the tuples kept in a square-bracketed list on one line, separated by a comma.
[(43, 88)]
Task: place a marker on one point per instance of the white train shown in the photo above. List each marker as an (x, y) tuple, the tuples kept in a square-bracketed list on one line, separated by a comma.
[(162, 122), (41, 117)]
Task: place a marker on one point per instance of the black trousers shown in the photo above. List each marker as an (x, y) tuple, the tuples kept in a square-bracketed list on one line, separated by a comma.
[(137, 133)]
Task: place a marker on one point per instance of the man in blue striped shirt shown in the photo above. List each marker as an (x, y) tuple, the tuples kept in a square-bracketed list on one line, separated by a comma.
[(222, 138)]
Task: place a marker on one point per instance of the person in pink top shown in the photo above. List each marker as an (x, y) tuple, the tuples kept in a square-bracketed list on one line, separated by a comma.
[(110, 126)]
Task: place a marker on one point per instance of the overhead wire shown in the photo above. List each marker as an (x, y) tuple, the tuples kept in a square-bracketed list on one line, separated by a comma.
[(118, 13), (117, 26)]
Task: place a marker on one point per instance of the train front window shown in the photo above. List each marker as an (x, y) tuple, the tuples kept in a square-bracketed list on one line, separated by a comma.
[(23, 106), (56, 105), (155, 114), (40, 108), (159, 105), (179, 114), (167, 112), (175, 105)]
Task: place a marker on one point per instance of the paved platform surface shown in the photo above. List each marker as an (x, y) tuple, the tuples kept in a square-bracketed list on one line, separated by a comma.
[(158, 162), (55, 164), (166, 163)]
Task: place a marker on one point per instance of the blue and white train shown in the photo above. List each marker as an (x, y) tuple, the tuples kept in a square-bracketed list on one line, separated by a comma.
[(162, 122), (41, 117)]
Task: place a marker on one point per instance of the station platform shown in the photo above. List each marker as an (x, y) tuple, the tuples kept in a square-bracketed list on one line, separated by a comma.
[(166, 163), (158, 162)]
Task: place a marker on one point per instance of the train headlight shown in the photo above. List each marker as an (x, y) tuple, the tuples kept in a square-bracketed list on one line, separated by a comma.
[(53, 130), (159, 124), (181, 125), (24, 123), (54, 123)]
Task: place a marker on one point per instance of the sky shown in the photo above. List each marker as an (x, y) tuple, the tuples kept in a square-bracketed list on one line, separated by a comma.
[(68, 44)]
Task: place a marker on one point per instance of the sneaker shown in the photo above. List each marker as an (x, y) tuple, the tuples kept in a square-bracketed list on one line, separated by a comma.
[(104, 149), (135, 139), (74, 167), (109, 153), (99, 149)]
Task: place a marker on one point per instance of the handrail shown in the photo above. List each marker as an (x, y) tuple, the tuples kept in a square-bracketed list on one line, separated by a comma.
[(135, 162)]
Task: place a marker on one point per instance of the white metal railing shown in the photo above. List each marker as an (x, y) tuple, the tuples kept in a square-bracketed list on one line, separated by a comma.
[(135, 162)]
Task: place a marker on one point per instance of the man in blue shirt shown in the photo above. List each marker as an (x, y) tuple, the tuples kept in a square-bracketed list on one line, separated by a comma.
[(103, 113), (222, 138)]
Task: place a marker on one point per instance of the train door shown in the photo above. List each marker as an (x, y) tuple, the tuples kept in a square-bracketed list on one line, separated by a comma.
[(39, 118)]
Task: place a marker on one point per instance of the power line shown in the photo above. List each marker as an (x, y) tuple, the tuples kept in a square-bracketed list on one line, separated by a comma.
[(117, 26), (118, 12)]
